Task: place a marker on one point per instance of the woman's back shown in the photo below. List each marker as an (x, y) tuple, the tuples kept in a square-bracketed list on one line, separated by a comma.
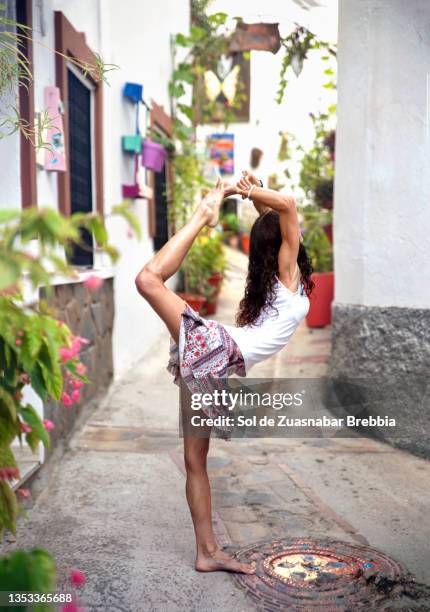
[(274, 326)]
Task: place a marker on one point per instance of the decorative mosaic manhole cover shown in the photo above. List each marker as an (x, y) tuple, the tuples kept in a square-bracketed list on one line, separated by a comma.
[(304, 574)]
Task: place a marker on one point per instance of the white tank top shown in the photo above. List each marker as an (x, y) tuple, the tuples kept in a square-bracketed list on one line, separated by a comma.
[(273, 329)]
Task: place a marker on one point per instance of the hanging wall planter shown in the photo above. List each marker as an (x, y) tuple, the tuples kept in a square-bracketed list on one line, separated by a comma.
[(153, 155)]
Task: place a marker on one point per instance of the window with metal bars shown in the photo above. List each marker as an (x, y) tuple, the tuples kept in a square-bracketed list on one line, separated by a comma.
[(80, 162), (161, 209)]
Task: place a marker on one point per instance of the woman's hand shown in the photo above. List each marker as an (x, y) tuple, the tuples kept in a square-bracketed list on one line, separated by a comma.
[(244, 185), (228, 188), (251, 178)]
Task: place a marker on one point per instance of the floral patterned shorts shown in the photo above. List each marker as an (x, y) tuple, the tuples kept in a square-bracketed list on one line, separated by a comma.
[(205, 357)]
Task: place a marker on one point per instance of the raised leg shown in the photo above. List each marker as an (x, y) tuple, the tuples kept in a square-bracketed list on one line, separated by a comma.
[(150, 280)]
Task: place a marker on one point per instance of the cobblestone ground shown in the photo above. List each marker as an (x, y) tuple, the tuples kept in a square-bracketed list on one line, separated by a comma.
[(115, 506)]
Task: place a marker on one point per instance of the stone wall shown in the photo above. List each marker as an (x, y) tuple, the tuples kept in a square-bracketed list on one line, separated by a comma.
[(389, 348), (91, 316)]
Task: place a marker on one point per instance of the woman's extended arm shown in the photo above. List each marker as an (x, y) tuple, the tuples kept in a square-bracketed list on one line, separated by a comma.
[(288, 220)]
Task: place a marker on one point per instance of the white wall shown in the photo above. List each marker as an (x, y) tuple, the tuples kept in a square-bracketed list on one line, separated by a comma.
[(382, 210), (303, 95), (134, 35), (137, 39)]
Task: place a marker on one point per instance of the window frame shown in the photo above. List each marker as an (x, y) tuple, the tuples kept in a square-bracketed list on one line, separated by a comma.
[(160, 121), (70, 43), (27, 152)]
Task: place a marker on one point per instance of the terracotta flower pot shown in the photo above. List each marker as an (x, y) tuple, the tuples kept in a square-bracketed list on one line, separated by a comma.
[(245, 243), (195, 301), (210, 307), (216, 280), (319, 314)]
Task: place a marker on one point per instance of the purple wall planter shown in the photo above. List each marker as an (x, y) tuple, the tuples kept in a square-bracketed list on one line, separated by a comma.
[(153, 155), (130, 191)]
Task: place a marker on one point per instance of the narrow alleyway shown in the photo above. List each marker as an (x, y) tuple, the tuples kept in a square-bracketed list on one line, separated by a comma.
[(115, 507)]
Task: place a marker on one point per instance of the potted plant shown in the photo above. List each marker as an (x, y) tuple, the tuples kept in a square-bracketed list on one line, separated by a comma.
[(246, 224), (203, 272), (193, 278), (214, 263), (320, 251), (231, 226)]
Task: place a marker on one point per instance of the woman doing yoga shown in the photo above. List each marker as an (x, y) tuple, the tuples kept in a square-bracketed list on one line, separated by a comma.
[(275, 302)]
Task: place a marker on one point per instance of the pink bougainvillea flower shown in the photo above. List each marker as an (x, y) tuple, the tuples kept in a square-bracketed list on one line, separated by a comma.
[(81, 369), (65, 354), (77, 384), (76, 396), (66, 399), (77, 342), (9, 473), (25, 428), (71, 607), (77, 578), (18, 342), (93, 282), (24, 493), (48, 425)]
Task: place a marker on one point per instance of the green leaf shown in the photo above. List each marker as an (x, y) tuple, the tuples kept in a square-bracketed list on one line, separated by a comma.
[(112, 252), (32, 571), (7, 401), (10, 272), (31, 417), (176, 90), (197, 33), (218, 18), (99, 230), (184, 73), (8, 507), (38, 381), (124, 210), (7, 458), (71, 366), (8, 215), (186, 110), (182, 40)]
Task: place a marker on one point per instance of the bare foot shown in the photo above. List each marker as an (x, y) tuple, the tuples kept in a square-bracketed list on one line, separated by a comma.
[(218, 561), (211, 204)]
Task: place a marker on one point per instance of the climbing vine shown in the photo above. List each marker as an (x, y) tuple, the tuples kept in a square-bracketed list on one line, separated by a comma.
[(297, 46)]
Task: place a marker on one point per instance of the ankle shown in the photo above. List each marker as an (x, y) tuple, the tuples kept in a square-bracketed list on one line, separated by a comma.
[(201, 216), (207, 550)]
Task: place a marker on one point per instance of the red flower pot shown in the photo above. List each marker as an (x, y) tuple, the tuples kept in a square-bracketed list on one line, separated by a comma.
[(245, 243), (195, 301), (319, 314), (210, 308), (215, 280)]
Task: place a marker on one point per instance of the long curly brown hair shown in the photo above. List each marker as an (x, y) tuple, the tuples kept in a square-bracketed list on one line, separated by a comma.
[(265, 242)]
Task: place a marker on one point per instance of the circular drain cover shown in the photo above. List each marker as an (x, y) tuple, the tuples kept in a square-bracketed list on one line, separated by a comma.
[(308, 574)]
